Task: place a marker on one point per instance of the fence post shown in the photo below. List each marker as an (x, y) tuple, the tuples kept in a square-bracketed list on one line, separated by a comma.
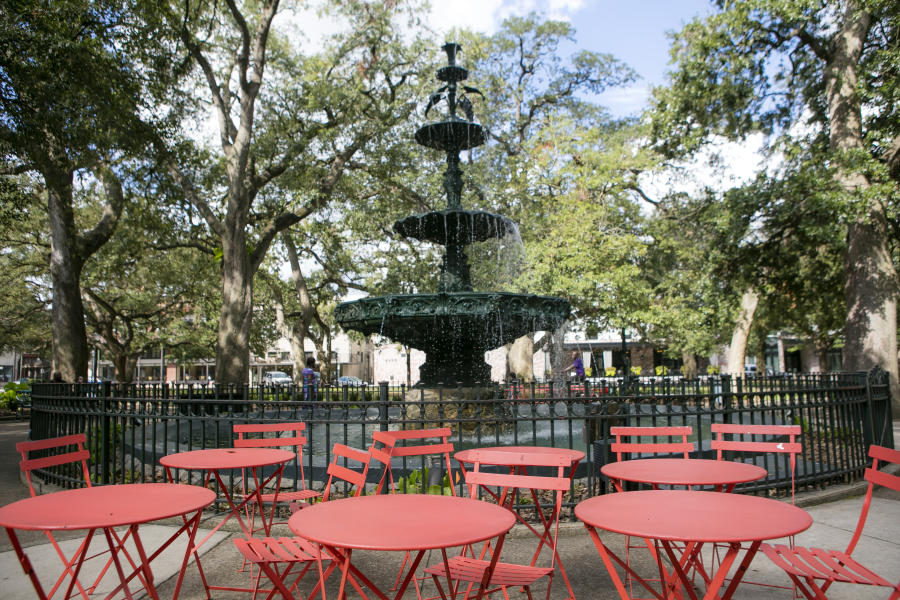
[(383, 405), (104, 433), (727, 396), (869, 420)]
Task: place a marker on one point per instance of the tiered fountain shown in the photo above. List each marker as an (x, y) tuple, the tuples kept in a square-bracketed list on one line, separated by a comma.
[(456, 325)]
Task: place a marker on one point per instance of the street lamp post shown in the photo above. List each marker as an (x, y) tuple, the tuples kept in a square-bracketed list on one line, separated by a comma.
[(625, 356)]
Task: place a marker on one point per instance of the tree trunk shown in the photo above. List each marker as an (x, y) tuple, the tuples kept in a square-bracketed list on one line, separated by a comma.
[(70, 349), (689, 369), (871, 329), (233, 347), (871, 288), (737, 351), (124, 365), (520, 359)]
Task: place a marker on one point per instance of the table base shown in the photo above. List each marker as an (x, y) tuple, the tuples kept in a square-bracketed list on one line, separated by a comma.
[(677, 582), (115, 542)]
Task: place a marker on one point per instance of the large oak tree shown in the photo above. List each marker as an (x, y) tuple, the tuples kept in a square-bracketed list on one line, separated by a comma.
[(820, 72)]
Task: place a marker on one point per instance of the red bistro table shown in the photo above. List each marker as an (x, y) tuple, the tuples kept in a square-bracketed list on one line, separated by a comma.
[(216, 460), (693, 518), (104, 508), (723, 474), (518, 455), (398, 522)]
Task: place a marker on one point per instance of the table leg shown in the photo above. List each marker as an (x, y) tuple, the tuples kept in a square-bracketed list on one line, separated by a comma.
[(192, 525), (608, 557), (339, 559), (26, 564), (114, 551)]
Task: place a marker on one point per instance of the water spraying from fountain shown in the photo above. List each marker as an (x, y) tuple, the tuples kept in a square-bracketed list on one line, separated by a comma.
[(456, 325)]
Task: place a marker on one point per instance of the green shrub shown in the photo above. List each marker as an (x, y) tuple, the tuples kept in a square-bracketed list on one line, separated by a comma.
[(9, 397), (416, 482)]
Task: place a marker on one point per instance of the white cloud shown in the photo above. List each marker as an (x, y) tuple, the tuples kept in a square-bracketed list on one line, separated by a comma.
[(624, 101), (487, 15), (722, 166)]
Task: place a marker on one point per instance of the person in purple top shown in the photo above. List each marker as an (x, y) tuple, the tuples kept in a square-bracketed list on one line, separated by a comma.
[(577, 365), (310, 380)]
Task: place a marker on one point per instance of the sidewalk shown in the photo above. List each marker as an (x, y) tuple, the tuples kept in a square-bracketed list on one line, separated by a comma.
[(834, 511)]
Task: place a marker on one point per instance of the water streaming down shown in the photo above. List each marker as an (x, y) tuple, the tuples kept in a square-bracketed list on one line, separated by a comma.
[(456, 325)]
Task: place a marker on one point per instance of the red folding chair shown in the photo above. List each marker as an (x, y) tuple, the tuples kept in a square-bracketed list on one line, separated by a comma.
[(292, 552), (639, 442), (756, 439), (806, 566), (406, 444), (275, 435), (69, 453), (471, 570), (778, 439)]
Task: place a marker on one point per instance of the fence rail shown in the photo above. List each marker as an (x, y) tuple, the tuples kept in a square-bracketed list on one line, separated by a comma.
[(131, 426)]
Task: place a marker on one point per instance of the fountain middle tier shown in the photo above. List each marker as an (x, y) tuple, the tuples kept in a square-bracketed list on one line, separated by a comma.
[(455, 226), (454, 329)]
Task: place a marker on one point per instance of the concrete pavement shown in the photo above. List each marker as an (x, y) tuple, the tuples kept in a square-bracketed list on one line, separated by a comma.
[(834, 511)]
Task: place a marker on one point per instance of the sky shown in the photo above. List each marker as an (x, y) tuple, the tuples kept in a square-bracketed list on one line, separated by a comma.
[(634, 31)]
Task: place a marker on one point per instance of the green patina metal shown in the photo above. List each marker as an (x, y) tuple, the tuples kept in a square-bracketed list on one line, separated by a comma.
[(456, 325)]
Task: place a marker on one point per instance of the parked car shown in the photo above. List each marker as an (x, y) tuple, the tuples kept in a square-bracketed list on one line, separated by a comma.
[(276, 378), (350, 380)]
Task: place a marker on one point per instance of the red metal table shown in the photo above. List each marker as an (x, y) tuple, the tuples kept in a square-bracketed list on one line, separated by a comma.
[(105, 508), (397, 522), (723, 474), (215, 461), (518, 455), (692, 518)]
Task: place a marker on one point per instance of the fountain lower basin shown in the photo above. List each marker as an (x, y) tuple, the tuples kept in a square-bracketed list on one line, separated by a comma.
[(454, 329)]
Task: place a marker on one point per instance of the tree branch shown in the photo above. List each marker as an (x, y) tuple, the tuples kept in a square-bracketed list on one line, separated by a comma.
[(227, 129), (267, 235), (893, 159), (89, 242), (243, 57)]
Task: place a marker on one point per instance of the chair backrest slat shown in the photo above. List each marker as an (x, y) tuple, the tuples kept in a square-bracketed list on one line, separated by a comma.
[(270, 442), (268, 427), (391, 437), (738, 428), (534, 482), (884, 454), (422, 450), (881, 478), (674, 430), (744, 446), (79, 455)]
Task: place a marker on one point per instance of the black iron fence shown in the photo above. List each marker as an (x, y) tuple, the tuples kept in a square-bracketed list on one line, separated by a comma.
[(131, 426)]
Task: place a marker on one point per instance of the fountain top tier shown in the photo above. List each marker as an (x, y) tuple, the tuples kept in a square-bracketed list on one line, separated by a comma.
[(454, 227), (456, 325)]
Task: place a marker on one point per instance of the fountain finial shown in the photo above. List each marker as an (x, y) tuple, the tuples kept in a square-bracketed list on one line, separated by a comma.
[(451, 48)]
